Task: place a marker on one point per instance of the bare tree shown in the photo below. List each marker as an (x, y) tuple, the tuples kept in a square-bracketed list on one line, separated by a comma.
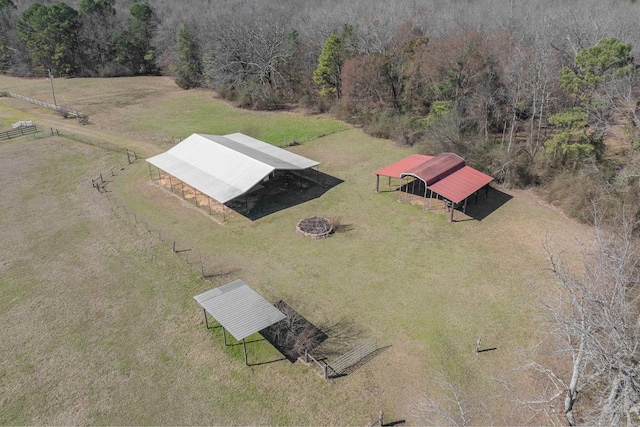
[(446, 405), (594, 330)]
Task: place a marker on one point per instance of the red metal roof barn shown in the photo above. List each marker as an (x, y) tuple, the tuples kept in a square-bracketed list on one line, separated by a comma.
[(446, 175)]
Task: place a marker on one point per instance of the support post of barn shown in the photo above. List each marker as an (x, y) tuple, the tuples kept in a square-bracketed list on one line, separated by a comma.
[(424, 206), (224, 336), (377, 183), (170, 183), (159, 177), (206, 322), (209, 202), (464, 207), (244, 349), (150, 174), (453, 208)]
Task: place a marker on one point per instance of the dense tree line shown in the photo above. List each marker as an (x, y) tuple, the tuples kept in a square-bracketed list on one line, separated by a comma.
[(531, 92)]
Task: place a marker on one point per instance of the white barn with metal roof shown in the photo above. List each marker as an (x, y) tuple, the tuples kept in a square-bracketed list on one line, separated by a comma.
[(225, 167)]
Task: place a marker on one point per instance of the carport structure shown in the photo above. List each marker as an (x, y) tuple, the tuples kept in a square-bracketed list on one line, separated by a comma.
[(228, 166), (446, 175), (239, 310)]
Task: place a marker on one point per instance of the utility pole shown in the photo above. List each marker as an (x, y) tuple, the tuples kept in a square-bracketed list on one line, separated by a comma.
[(52, 92)]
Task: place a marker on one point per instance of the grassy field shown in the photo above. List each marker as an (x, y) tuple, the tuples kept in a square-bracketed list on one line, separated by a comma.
[(100, 324)]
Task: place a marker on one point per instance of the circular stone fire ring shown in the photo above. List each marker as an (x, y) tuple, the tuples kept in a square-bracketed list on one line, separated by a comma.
[(315, 227)]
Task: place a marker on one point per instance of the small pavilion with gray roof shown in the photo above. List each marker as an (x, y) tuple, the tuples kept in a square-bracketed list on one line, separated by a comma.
[(239, 310)]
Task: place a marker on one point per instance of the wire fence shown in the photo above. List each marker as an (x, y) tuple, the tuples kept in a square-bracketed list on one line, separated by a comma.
[(193, 258), (353, 356), (345, 361)]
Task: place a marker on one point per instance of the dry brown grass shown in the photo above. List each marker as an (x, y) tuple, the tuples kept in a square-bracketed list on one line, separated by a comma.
[(101, 327)]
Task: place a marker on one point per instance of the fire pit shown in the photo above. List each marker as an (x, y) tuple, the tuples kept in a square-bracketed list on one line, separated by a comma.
[(315, 227)]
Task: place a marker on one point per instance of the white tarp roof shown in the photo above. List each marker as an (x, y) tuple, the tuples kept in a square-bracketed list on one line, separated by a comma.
[(225, 167), (239, 309)]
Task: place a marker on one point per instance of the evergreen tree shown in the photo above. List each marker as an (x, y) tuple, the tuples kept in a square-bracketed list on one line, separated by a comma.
[(334, 52), (7, 10), (188, 69), (595, 65), (51, 36), (572, 142), (133, 46), (99, 20)]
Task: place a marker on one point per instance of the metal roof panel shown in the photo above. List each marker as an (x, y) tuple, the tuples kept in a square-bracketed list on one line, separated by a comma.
[(394, 170), (239, 309), (225, 167), (461, 184), (435, 169)]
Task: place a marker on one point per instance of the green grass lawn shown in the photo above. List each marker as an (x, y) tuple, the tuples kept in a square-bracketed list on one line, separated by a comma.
[(157, 107), (187, 115), (100, 322)]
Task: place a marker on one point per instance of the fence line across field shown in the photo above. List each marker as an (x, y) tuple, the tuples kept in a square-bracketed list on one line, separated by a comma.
[(64, 111)]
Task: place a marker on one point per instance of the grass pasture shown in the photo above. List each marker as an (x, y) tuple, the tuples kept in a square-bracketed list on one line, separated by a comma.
[(99, 322)]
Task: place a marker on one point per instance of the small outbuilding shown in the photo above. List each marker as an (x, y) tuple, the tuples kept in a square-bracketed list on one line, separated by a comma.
[(239, 310)]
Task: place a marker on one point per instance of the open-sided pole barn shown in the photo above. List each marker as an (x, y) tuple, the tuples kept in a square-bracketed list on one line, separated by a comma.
[(226, 167), (446, 175), (239, 310)]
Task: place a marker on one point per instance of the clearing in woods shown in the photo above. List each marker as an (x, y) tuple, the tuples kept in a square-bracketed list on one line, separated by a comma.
[(99, 322)]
